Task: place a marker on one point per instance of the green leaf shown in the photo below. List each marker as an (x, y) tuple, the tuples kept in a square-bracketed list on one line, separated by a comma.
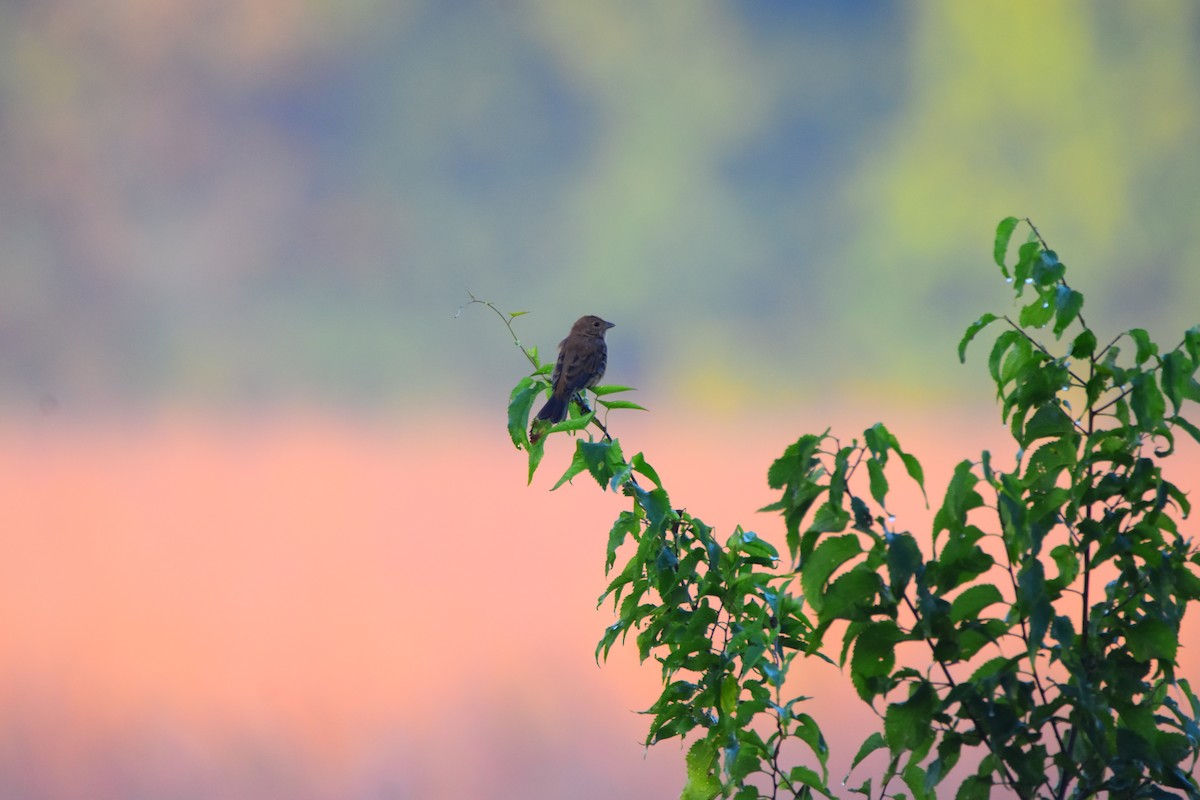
[(1147, 401), (602, 458), (731, 690), (903, 560), (520, 403), (829, 519), (1192, 430), (1048, 421), (879, 484), (573, 422), (850, 596), (638, 462), (1084, 344), (913, 467), (806, 776), (830, 554), (793, 466), (1039, 311), (1191, 343), (657, 506), (968, 604), (612, 404), (578, 464), (874, 658), (881, 441), (1152, 638), (974, 787), (810, 733), (1004, 232), (1062, 630), (908, 725), (873, 742), (1000, 350), (1066, 557), (627, 524), (991, 667), (1027, 256), (611, 388), (972, 331), (1178, 379), (702, 782), (1145, 346), (1067, 303), (1047, 269)]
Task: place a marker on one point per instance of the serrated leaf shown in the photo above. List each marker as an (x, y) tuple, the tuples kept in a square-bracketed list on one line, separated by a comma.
[(1145, 345), (1004, 232), (1027, 256), (1067, 304), (793, 466), (1147, 401), (850, 595), (913, 467), (1047, 269), (1192, 430), (1151, 638), (968, 604), (1038, 312), (903, 560), (611, 388), (639, 464), (1177, 372), (998, 356), (806, 776), (1191, 343), (810, 733), (1049, 421), (974, 787), (993, 666), (702, 782), (612, 404), (520, 403), (1084, 345), (874, 657), (537, 450), (830, 554), (578, 464), (879, 484), (972, 331), (873, 742)]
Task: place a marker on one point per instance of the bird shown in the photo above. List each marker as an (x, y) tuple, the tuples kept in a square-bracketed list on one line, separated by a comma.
[(582, 359)]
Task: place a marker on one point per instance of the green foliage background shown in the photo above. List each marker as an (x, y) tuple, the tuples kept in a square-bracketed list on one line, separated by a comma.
[(233, 203)]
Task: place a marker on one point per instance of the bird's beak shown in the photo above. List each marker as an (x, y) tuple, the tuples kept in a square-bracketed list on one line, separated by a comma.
[(609, 325)]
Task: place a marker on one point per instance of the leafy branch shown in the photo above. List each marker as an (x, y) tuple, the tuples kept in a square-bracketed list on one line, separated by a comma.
[(1062, 690)]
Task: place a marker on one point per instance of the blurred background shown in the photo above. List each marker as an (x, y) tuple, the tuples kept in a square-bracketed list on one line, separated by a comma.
[(264, 534)]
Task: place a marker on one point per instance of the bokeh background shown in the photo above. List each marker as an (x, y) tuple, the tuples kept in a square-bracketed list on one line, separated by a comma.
[(263, 534)]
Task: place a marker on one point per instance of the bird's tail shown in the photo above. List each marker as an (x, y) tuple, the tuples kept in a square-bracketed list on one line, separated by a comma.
[(554, 410)]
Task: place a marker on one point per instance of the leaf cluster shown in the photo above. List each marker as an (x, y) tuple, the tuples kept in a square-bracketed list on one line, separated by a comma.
[(1035, 626)]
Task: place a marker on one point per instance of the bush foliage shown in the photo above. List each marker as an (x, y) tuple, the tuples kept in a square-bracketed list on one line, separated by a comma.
[(1049, 598)]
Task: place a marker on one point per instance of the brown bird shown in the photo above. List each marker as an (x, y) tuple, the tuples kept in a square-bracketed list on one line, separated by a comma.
[(582, 357)]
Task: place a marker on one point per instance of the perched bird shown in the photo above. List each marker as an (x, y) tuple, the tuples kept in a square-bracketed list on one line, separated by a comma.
[(582, 357)]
